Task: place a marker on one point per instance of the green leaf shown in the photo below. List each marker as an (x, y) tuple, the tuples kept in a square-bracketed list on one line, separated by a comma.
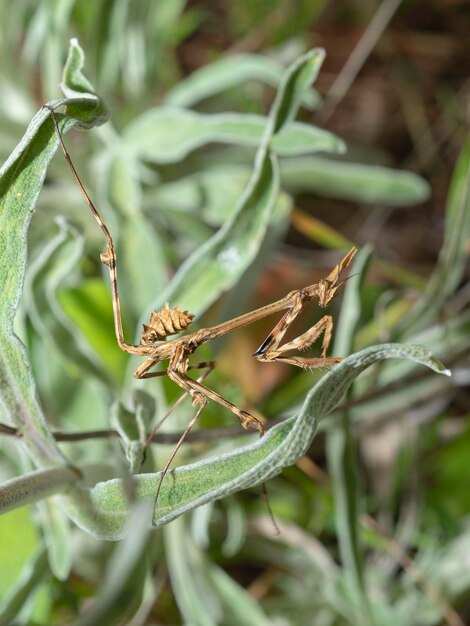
[(57, 537), (166, 135), (142, 263), (184, 488), (120, 594), (51, 267), (81, 100), (20, 538), (213, 192), (88, 306), (230, 72), (204, 593), (21, 179), (41, 484), (121, 182), (390, 398), (33, 574), (454, 253), (243, 609), (133, 425), (197, 602), (34, 486), (298, 139), (295, 81), (74, 83), (457, 226), (360, 183)]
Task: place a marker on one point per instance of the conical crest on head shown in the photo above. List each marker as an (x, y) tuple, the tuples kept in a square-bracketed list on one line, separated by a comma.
[(342, 265)]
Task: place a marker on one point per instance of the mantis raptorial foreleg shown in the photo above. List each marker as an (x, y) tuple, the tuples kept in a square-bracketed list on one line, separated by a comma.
[(271, 350), (302, 342)]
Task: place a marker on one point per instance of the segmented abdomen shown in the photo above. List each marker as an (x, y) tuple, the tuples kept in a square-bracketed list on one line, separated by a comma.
[(165, 322)]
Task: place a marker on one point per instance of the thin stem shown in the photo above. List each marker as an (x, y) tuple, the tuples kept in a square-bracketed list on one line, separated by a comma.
[(358, 56), (208, 434), (211, 434)]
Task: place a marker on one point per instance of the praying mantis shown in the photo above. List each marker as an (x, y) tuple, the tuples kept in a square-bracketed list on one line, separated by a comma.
[(156, 346)]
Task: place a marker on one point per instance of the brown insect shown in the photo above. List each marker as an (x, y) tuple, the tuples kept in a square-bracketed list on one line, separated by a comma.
[(156, 347)]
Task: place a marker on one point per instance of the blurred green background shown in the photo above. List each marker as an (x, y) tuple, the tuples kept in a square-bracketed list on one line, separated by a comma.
[(374, 520)]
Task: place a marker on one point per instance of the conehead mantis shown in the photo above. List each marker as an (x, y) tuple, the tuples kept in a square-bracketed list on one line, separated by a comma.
[(156, 346)]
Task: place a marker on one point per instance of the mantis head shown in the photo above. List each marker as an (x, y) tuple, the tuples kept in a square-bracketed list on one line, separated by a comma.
[(327, 287)]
